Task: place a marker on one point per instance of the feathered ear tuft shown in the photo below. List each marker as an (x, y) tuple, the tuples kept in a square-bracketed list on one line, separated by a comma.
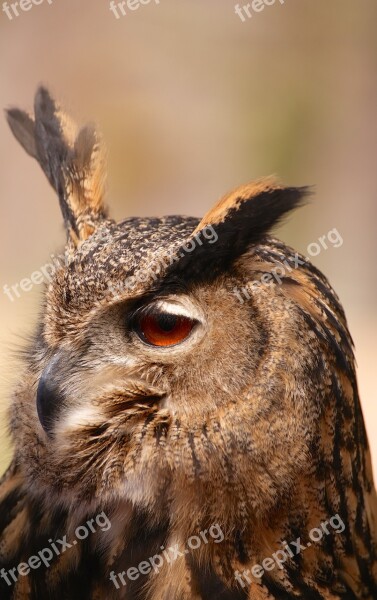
[(23, 129), (238, 221), (74, 163)]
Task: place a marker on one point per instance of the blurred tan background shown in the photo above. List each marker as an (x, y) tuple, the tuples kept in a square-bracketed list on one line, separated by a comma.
[(193, 101)]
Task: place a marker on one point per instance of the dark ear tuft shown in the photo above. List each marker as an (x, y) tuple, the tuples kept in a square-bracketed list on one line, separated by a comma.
[(52, 148), (239, 220), (73, 163), (23, 129)]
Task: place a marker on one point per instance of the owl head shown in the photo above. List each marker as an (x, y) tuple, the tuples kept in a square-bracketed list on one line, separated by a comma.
[(172, 368)]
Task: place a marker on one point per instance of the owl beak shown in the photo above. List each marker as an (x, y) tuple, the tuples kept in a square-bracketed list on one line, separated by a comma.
[(49, 397)]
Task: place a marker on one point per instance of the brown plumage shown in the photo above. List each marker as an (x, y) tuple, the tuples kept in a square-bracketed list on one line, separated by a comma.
[(155, 394)]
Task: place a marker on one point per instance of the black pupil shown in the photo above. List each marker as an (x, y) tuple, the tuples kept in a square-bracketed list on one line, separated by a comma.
[(166, 322)]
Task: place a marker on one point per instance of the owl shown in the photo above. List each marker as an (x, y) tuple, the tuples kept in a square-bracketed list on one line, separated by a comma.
[(187, 425)]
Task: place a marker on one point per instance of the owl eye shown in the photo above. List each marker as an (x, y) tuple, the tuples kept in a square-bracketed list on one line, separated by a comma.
[(163, 329)]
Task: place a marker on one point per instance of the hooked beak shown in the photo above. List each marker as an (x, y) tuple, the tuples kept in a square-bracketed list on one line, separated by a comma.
[(49, 396)]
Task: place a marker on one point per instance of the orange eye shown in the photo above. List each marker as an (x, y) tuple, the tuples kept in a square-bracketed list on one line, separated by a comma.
[(164, 329)]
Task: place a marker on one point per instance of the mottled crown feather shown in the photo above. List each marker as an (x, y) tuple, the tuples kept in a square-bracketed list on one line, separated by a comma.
[(73, 162)]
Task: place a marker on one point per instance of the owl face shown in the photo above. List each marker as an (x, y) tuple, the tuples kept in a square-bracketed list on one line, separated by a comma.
[(149, 378), (139, 389)]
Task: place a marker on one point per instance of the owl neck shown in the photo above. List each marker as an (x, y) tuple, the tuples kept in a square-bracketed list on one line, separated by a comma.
[(305, 549)]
